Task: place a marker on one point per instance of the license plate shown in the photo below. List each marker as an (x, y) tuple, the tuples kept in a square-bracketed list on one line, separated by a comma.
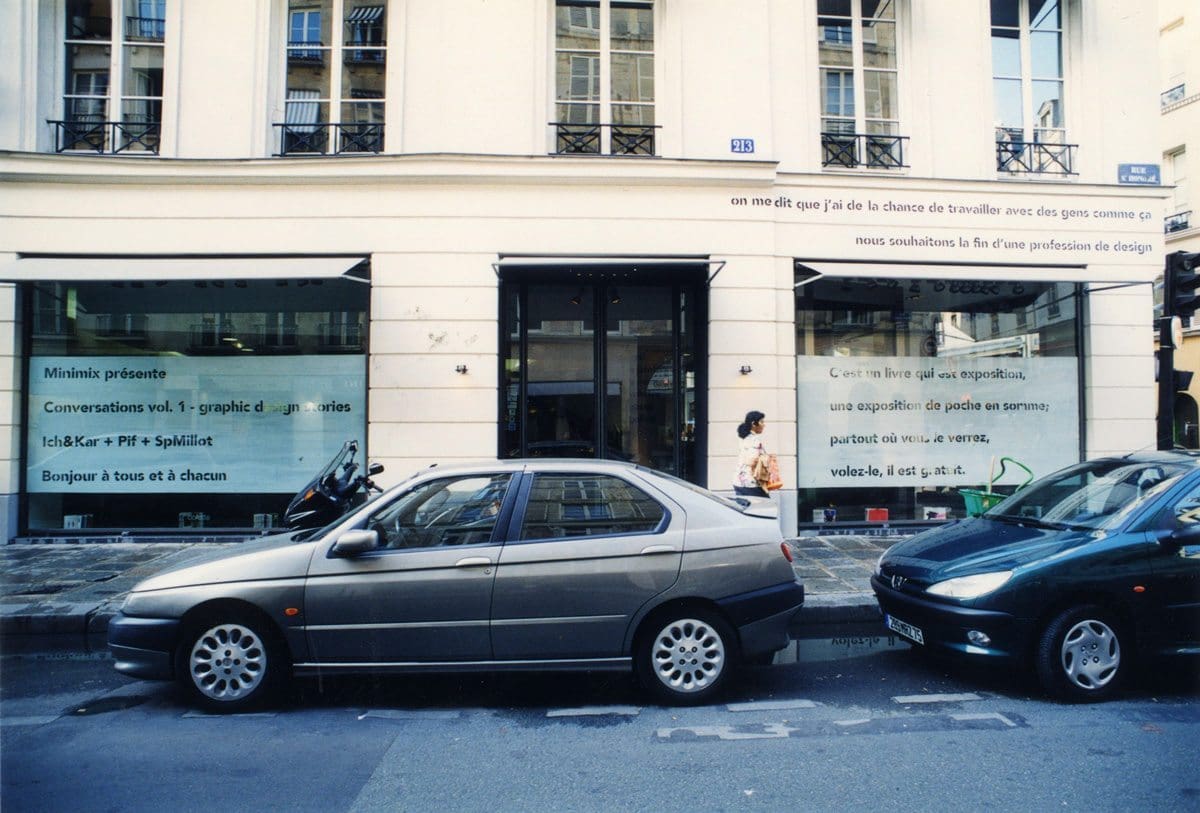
[(904, 628)]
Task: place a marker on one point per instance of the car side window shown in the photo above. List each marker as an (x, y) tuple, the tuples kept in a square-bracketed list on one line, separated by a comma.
[(438, 513), (1186, 510), (563, 505)]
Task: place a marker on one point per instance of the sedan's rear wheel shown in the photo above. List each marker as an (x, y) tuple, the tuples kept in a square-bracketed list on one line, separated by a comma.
[(230, 664), (1079, 655), (686, 657)]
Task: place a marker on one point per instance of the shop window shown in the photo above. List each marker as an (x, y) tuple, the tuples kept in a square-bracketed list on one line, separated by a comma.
[(929, 392), (113, 64), (335, 84), (175, 405), (859, 75), (604, 77), (1028, 58)]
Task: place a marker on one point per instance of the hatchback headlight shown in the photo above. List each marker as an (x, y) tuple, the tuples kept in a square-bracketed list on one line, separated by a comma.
[(970, 586), (879, 561)]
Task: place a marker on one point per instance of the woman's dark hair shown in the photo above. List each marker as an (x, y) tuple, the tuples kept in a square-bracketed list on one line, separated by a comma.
[(752, 417)]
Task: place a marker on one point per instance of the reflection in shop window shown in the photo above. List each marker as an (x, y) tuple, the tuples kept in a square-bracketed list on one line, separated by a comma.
[(187, 404), (909, 391)]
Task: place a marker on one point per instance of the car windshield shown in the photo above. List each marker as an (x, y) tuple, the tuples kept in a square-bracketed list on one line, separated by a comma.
[(1092, 495)]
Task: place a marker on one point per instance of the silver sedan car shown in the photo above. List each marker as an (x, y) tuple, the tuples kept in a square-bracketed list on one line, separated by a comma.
[(506, 565)]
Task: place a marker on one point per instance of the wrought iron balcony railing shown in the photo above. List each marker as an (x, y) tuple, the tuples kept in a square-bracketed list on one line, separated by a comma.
[(85, 135), (1175, 94), (145, 28), (1180, 221), (859, 150), (308, 52), (324, 138), (364, 56), (1035, 157), (588, 139), (345, 336)]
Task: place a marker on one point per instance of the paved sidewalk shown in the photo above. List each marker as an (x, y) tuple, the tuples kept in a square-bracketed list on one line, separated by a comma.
[(61, 595)]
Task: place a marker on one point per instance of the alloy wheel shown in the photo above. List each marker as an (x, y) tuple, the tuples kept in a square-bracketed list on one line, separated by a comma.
[(228, 663), (688, 655)]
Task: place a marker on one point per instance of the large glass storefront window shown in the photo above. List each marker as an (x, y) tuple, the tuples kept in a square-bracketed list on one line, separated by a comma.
[(911, 392), (181, 404)]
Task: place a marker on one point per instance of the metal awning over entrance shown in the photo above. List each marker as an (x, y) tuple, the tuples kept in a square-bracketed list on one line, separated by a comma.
[(598, 263), (74, 268), (1078, 273)]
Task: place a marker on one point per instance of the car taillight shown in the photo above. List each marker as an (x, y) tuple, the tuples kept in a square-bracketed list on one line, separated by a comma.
[(787, 551)]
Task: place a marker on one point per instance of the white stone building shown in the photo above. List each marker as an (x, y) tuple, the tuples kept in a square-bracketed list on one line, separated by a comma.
[(238, 232), (1179, 82)]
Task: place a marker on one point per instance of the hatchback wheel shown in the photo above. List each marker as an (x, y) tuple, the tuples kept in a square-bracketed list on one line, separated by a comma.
[(1079, 655), (686, 657), (230, 664)]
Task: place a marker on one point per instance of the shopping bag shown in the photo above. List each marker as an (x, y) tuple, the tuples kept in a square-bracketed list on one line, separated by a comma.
[(761, 470), (774, 478)]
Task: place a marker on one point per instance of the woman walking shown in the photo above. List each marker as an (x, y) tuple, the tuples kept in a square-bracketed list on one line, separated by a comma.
[(750, 450)]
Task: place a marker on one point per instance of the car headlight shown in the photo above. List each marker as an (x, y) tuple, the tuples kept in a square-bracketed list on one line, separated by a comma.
[(879, 561), (970, 586)]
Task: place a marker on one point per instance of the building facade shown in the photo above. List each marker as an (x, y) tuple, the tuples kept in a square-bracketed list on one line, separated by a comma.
[(1179, 102), (236, 233)]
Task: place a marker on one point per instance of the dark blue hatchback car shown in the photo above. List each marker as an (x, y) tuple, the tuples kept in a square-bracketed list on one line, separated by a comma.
[(1077, 574)]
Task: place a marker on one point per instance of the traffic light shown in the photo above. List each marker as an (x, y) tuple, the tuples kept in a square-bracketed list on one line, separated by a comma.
[(1180, 282)]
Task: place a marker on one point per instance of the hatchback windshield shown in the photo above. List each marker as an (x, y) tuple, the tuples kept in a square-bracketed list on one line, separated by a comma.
[(1096, 494)]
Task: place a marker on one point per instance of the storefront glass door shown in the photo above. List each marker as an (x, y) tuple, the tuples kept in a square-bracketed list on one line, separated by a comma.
[(627, 392)]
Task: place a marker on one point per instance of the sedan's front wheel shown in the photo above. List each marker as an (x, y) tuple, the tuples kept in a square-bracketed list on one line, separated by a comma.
[(1079, 655), (230, 664), (686, 657)]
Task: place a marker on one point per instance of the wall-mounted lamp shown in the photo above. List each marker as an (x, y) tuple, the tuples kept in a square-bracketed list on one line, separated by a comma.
[(575, 300), (745, 369), (461, 369), (614, 297)]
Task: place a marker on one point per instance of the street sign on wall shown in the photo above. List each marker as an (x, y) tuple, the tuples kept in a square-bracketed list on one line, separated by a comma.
[(1139, 174)]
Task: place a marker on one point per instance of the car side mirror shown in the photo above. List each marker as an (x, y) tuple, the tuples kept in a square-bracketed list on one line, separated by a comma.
[(353, 543), (1188, 534)]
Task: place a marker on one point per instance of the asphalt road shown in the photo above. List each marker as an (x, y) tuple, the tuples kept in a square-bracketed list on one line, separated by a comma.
[(880, 729)]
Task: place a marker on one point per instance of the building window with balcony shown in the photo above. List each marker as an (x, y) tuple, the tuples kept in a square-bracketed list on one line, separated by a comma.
[(336, 78), (1180, 217), (859, 71), (604, 77), (112, 99), (1027, 86)]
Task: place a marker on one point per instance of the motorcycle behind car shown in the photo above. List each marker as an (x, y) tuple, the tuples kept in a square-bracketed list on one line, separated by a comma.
[(332, 493)]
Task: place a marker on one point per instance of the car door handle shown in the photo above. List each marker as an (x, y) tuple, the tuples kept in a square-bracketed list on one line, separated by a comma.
[(649, 551), (474, 561)]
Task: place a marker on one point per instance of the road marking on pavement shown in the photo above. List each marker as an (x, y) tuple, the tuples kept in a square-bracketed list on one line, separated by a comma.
[(992, 716), (596, 711), (16, 721), (907, 699), (412, 714), (902, 724), (767, 731), (771, 705)]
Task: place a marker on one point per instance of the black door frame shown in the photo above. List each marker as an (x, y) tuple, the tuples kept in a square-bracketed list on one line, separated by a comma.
[(683, 279)]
